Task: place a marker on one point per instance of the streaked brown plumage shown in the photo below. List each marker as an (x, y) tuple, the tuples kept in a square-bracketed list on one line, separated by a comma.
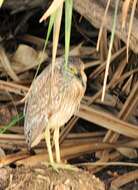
[(49, 111)]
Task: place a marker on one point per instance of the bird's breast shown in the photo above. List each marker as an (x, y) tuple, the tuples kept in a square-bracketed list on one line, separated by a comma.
[(68, 102)]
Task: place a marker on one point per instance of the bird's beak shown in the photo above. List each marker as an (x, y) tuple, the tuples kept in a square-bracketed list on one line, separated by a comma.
[(83, 78), (82, 74)]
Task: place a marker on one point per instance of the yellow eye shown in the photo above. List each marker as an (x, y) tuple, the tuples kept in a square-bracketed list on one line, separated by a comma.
[(73, 70)]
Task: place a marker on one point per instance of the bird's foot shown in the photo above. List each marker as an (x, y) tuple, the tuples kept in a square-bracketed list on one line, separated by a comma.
[(66, 167), (57, 166), (53, 165)]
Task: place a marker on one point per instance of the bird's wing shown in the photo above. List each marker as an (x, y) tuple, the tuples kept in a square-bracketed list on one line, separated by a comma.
[(39, 108), (35, 119)]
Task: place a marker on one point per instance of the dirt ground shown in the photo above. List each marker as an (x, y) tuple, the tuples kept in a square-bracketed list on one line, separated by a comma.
[(43, 178)]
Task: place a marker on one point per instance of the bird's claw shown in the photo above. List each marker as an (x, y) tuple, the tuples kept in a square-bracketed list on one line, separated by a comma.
[(52, 165), (57, 166)]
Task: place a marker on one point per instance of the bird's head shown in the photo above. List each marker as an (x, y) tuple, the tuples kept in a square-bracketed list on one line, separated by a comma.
[(76, 68)]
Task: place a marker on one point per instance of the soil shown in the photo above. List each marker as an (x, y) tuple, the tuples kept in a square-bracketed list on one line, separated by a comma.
[(42, 178)]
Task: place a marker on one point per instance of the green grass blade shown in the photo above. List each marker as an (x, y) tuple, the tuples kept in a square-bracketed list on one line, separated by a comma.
[(68, 21), (12, 123), (51, 23)]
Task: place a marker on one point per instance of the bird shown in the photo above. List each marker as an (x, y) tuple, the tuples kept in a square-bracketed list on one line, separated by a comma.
[(50, 105)]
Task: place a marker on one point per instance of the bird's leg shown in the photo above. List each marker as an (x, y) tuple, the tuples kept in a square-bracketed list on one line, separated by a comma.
[(49, 149), (54, 165), (56, 141), (48, 143), (59, 164)]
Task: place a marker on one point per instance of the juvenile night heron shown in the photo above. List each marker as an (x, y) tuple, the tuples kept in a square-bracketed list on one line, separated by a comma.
[(48, 108)]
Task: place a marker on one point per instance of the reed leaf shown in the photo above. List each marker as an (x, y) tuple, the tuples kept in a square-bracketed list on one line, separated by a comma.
[(50, 26), (56, 31), (68, 21), (1, 2), (110, 48), (53, 7)]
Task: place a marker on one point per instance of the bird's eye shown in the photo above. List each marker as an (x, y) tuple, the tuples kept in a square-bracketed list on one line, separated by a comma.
[(74, 70)]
